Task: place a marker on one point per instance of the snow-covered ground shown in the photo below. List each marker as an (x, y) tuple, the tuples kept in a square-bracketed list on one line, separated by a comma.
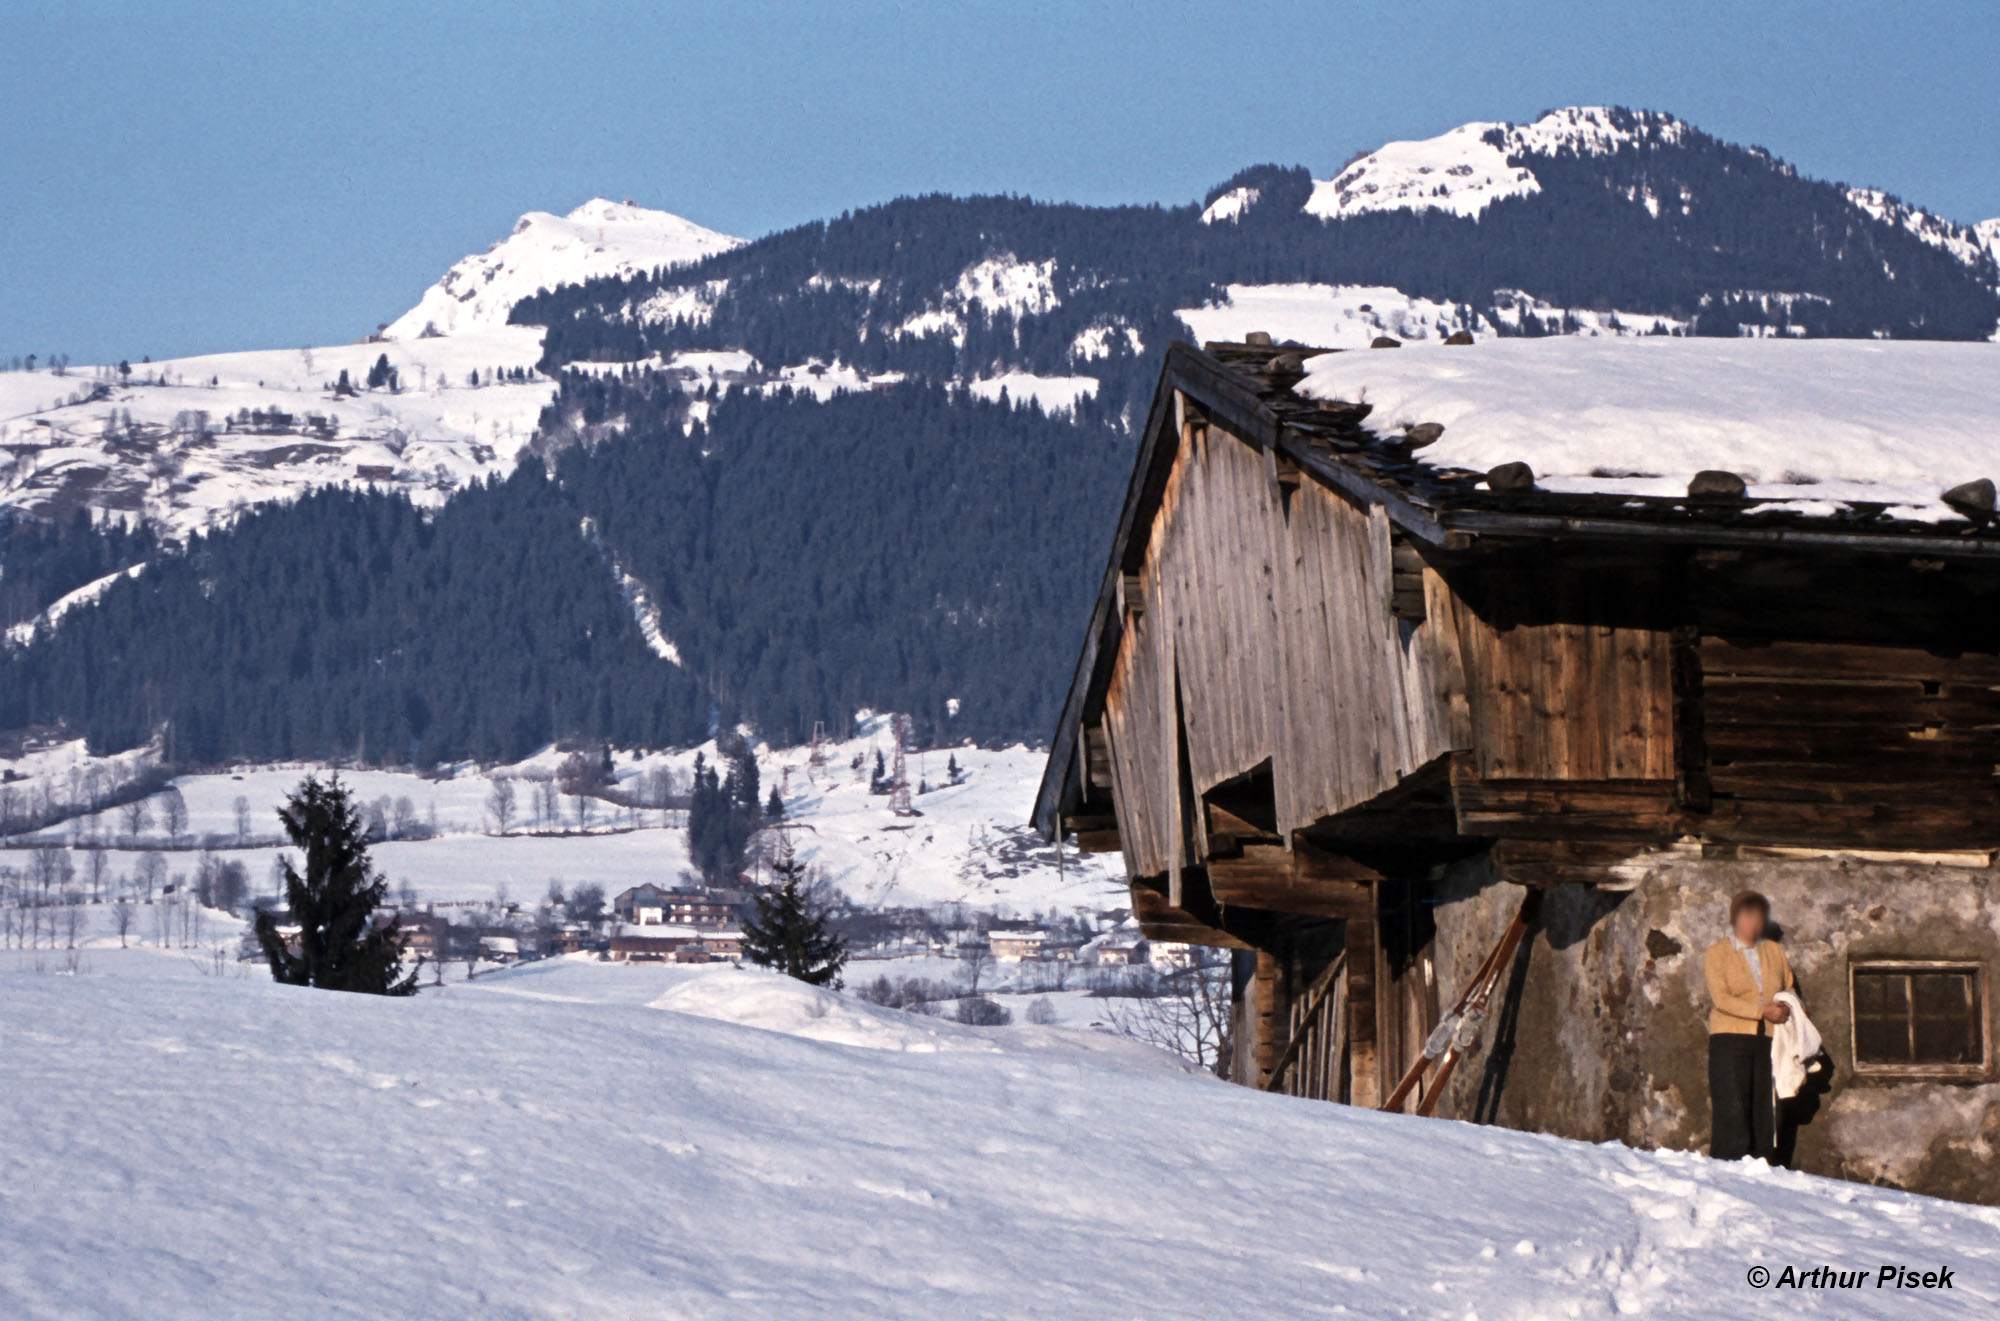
[(1054, 394), (575, 1139), (970, 842), (166, 445), (1329, 316), (1807, 422)]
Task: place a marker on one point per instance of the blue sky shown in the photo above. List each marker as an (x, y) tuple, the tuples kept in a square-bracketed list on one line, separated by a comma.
[(186, 176)]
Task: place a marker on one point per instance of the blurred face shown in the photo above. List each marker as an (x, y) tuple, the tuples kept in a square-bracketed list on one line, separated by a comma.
[(1750, 925)]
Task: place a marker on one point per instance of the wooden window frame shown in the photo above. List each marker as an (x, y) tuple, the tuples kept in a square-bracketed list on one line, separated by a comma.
[(1978, 1071)]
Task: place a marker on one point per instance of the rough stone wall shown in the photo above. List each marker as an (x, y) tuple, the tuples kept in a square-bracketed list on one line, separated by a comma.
[(1604, 1031)]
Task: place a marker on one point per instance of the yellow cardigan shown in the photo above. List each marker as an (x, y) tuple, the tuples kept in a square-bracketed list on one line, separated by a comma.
[(1732, 989)]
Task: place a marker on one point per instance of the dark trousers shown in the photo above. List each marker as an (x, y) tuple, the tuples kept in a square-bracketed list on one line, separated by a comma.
[(1739, 1091)]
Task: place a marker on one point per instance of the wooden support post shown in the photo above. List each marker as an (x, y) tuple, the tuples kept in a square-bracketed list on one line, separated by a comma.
[(1364, 1059), (1268, 995)]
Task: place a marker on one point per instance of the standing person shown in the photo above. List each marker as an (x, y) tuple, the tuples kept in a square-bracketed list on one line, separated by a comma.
[(1744, 972)]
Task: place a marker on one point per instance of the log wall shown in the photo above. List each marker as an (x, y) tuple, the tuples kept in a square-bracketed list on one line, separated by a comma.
[(1882, 747)]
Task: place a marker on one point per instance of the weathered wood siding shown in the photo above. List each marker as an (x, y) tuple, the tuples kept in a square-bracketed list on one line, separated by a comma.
[(1569, 701), (1276, 621), (1141, 760)]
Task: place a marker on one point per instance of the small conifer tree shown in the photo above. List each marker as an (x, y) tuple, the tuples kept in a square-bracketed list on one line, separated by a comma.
[(791, 931), (340, 946)]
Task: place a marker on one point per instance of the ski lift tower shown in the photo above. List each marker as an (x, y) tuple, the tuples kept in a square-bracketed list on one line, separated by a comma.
[(899, 780), (816, 762)]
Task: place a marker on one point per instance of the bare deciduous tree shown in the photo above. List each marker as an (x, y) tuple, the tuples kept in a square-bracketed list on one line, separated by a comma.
[(242, 819), (500, 804), (173, 813), (73, 917), (1190, 1014), (977, 956), (152, 874), (138, 817)]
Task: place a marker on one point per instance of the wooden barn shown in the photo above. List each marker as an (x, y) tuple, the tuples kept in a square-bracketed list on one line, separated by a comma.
[(1462, 684)]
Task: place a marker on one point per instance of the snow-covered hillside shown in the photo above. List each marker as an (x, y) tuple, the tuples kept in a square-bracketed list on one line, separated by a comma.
[(598, 238), (1468, 169), (1350, 316), (188, 442), (575, 1139), (1971, 244), (968, 844)]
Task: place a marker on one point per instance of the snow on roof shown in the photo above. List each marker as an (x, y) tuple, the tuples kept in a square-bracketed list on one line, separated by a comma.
[(1812, 422)]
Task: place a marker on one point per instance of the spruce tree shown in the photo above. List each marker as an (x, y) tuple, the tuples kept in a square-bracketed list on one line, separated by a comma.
[(774, 806), (791, 931), (340, 947)]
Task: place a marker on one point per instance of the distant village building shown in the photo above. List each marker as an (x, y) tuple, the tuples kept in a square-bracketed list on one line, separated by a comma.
[(1017, 946), (697, 906), (499, 949), (674, 944), (642, 905), (649, 947), (1432, 740), (1118, 949)]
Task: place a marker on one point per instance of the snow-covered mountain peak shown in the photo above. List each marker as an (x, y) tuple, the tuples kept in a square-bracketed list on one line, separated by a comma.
[(601, 237), (1469, 168)]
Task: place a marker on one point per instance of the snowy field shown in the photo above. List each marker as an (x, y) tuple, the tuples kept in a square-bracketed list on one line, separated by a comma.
[(970, 843), (575, 1140)]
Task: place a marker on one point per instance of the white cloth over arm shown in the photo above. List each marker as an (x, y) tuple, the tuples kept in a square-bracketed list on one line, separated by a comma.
[(1795, 1047)]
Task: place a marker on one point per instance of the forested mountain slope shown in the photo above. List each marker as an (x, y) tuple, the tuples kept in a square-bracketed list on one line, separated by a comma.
[(904, 550)]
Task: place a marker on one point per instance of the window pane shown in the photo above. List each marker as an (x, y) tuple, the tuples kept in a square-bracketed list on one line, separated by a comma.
[(1871, 993), (1945, 1025), (1881, 1018)]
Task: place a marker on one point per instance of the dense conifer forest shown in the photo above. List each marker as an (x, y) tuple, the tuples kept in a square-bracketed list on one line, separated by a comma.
[(904, 549)]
